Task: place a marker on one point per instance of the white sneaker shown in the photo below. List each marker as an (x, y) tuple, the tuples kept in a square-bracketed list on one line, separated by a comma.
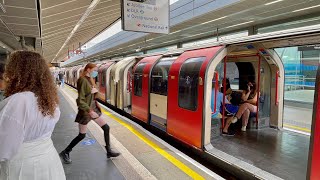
[(244, 128), (234, 119)]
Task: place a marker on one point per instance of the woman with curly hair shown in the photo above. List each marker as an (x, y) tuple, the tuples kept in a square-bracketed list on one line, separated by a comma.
[(27, 118), (88, 110)]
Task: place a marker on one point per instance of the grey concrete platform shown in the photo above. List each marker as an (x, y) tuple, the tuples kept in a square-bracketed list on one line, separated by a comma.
[(282, 153), (89, 158), (143, 155)]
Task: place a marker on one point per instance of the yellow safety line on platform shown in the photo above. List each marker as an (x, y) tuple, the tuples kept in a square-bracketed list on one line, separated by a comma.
[(157, 148), (297, 128)]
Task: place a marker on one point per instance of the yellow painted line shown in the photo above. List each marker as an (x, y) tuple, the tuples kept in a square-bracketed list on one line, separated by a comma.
[(157, 148), (69, 87), (297, 128)]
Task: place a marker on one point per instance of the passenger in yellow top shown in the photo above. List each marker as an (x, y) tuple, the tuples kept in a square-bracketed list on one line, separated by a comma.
[(88, 110), (249, 100)]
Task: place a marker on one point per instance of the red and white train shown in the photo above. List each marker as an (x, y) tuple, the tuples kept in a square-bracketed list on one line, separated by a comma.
[(172, 90)]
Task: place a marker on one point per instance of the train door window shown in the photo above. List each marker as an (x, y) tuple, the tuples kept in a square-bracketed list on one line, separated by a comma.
[(232, 74), (137, 79), (188, 83), (159, 76), (103, 77)]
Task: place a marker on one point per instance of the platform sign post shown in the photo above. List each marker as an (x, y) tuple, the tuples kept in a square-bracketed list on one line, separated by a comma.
[(150, 16), (313, 172)]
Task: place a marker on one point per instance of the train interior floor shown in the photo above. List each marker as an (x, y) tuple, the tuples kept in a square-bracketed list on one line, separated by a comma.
[(90, 160), (279, 152)]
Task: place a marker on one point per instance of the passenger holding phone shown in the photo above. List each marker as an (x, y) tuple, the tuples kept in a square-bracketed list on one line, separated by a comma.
[(249, 100), (88, 110)]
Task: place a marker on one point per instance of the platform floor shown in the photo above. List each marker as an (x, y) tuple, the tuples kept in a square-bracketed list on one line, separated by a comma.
[(89, 159), (298, 111), (143, 155), (282, 153), (297, 118)]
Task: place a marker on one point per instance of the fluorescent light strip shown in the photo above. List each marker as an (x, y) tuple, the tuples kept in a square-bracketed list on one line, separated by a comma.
[(238, 24), (306, 8), (84, 16), (273, 2), (214, 20)]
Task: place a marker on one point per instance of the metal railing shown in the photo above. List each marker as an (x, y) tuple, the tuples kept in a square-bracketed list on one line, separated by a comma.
[(295, 82)]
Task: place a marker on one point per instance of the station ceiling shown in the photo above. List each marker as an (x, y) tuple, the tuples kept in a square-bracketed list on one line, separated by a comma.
[(47, 24), (54, 26)]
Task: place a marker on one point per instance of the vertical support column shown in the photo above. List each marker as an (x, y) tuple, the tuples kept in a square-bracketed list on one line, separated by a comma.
[(258, 90), (313, 172), (216, 89), (252, 30), (277, 89), (224, 89)]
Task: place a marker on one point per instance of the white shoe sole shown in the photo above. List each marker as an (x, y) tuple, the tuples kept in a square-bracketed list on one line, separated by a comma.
[(234, 120)]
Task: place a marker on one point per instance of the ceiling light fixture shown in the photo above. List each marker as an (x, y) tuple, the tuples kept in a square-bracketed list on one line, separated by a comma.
[(214, 20), (306, 8), (76, 27), (238, 24), (2, 7), (273, 2)]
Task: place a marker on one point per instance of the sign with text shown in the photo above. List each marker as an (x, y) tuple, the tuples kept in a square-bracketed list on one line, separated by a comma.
[(145, 16)]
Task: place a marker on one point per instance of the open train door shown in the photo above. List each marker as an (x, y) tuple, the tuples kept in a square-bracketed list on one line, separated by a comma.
[(314, 147), (140, 87), (104, 83), (186, 95)]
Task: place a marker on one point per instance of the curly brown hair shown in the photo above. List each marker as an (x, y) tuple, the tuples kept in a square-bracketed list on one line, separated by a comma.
[(28, 71)]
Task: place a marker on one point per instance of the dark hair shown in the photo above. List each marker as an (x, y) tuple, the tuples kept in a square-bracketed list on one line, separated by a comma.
[(28, 71), (253, 87), (227, 84)]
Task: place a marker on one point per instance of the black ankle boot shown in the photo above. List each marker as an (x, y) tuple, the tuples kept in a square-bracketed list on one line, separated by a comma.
[(111, 153), (65, 157)]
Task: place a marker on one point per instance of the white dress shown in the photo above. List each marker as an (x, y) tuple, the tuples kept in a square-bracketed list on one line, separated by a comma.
[(26, 148)]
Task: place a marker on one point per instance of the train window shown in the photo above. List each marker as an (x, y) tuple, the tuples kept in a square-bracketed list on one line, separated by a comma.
[(159, 76), (137, 79), (103, 78), (232, 74), (188, 83)]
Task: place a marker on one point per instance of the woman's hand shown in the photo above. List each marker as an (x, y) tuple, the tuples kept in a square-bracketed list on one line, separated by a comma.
[(249, 89), (94, 90), (93, 114)]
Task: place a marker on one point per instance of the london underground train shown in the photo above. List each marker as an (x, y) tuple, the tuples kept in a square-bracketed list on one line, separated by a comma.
[(172, 91)]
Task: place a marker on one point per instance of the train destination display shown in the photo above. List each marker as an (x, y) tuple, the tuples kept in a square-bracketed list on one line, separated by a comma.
[(150, 16)]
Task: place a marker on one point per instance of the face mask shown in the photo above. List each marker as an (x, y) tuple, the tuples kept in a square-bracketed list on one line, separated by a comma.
[(94, 74)]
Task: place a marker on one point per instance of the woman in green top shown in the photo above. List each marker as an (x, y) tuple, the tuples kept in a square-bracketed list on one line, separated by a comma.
[(88, 110)]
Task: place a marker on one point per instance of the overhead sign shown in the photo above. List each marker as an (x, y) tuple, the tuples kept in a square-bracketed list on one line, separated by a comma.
[(150, 16)]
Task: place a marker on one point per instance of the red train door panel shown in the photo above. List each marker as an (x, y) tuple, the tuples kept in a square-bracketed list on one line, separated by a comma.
[(140, 87), (185, 95), (314, 149)]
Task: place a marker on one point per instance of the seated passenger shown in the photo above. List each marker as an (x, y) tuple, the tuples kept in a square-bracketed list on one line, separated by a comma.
[(219, 102), (231, 109), (249, 100)]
